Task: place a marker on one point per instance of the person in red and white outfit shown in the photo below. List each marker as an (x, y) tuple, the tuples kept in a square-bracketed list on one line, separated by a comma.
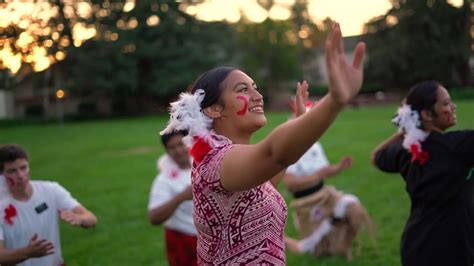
[(170, 201), (30, 212)]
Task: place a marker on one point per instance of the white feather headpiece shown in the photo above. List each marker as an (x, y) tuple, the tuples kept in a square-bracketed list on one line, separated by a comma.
[(408, 122), (186, 114)]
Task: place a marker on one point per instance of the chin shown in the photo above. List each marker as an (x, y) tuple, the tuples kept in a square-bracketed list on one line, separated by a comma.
[(262, 122)]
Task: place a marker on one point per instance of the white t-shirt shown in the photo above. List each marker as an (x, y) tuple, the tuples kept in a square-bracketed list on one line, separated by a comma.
[(313, 160), (171, 181), (39, 215)]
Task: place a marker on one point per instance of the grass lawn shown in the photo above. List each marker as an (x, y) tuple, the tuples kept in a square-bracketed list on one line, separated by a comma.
[(109, 167)]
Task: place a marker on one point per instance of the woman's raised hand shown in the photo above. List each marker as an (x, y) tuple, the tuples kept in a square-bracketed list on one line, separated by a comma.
[(345, 80), (301, 97)]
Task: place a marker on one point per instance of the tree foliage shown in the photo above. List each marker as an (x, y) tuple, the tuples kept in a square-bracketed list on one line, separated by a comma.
[(160, 59), (419, 40)]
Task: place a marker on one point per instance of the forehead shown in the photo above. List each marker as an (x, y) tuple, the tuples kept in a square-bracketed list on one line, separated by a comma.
[(442, 93), (176, 139), (235, 77), (15, 164)]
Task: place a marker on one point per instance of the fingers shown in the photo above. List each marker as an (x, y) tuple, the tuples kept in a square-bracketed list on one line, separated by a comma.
[(69, 217), (304, 92), (358, 56), (329, 53), (49, 248), (301, 98), (40, 247), (298, 89), (337, 38)]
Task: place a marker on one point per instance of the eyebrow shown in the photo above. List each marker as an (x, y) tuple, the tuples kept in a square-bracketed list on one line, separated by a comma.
[(243, 83), (446, 99)]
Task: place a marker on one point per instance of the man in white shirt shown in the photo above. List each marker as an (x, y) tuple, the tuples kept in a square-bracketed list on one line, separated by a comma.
[(170, 201), (30, 213)]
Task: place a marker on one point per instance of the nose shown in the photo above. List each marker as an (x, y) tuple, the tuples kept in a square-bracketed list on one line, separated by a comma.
[(256, 96)]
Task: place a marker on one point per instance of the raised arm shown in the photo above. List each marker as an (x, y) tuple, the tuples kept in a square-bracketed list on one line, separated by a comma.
[(246, 166), (392, 139)]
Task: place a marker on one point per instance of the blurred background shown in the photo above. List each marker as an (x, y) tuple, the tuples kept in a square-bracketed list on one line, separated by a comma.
[(87, 59), (106, 71)]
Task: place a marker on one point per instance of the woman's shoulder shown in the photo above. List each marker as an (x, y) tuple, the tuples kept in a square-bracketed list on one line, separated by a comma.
[(209, 167), (459, 133), (452, 137)]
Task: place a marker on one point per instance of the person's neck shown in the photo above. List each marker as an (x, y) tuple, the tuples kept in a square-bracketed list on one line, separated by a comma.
[(428, 128), (22, 194), (184, 166), (236, 138)]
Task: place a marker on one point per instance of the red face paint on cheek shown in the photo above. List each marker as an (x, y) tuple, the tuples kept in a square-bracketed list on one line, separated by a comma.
[(244, 99), (448, 115), (10, 181)]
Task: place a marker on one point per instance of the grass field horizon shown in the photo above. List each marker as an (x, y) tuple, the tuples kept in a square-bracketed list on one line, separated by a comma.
[(109, 167)]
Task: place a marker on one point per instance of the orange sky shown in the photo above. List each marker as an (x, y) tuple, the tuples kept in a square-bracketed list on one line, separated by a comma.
[(352, 14)]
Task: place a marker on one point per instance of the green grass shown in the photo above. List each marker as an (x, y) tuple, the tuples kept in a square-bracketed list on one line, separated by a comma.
[(109, 167)]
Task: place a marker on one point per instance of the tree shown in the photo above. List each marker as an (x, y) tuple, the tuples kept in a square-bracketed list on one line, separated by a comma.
[(125, 48), (268, 52), (159, 50), (419, 40), (278, 52)]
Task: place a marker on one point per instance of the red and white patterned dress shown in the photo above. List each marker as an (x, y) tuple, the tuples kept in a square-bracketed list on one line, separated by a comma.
[(244, 227)]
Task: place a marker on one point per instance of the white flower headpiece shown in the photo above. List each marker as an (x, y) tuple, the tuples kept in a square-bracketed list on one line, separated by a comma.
[(186, 114), (408, 122)]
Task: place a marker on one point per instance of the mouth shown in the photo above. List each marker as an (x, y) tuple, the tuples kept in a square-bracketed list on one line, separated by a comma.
[(256, 109)]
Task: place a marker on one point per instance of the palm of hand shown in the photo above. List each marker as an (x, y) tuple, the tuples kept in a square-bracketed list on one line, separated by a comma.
[(345, 80)]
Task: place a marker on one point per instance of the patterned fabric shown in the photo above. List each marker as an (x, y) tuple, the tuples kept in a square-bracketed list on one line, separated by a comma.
[(342, 212), (236, 227), (180, 248)]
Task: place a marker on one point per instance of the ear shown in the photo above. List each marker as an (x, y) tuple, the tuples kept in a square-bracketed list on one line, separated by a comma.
[(426, 115), (213, 111)]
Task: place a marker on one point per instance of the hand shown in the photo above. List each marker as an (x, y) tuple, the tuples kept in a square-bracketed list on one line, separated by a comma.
[(301, 97), (70, 218), (345, 162), (39, 247), (345, 80), (187, 193)]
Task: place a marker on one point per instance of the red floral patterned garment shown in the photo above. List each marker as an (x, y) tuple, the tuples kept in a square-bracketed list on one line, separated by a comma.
[(236, 227)]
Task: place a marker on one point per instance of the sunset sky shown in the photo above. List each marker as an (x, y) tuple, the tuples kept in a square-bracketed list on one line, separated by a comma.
[(352, 14)]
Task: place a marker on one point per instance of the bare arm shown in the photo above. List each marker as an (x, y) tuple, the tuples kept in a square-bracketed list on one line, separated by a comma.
[(247, 166), (163, 212), (79, 216), (293, 183), (392, 139), (275, 180), (36, 248)]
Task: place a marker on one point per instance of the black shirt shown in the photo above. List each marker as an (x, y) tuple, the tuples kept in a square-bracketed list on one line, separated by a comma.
[(440, 227)]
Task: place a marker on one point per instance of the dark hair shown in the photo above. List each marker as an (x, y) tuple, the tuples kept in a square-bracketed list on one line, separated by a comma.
[(165, 138), (423, 96), (10, 153), (211, 82)]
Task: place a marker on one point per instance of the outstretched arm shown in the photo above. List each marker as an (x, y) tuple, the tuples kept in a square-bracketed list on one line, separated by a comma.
[(36, 248), (246, 166), (79, 216), (293, 183)]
